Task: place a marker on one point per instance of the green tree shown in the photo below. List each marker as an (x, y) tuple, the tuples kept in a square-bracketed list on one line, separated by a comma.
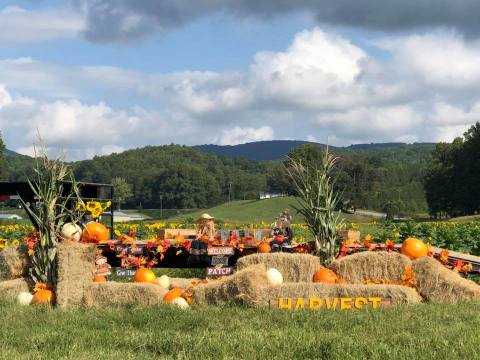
[(3, 163), (122, 191)]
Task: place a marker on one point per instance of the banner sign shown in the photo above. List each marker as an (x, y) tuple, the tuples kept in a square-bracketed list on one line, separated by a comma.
[(219, 271), (125, 272), (221, 250)]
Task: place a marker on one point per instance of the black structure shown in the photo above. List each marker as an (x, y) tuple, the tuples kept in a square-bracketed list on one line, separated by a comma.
[(88, 192)]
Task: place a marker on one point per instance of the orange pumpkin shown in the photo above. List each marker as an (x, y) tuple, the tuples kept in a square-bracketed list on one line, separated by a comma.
[(172, 295), (414, 248), (43, 296), (99, 278), (341, 281), (95, 232), (326, 276), (144, 275), (264, 247)]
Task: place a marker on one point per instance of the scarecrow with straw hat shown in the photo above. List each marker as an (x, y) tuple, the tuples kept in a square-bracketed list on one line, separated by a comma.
[(205, 234)]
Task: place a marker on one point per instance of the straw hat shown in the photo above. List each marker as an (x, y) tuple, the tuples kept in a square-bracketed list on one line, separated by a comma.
[(205, 217)]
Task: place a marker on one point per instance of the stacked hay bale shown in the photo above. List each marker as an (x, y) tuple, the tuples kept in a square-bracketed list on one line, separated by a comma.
[(75, 272), (11, 288), (294, 267), (116, 294), (14, 262), (243, 287), (391, 295), (438, 284), (360, 267)]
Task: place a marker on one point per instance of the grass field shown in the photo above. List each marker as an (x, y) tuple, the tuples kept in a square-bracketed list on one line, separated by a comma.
[(423, 331), (255, 211)]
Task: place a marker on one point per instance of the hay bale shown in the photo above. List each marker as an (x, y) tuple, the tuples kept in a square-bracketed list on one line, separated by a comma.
[(11, 288), (116, 294), (391, 295), (241, 288), (14, 262), (359, 267), (182, 283), (75, 272), (439, 284), (294, 267)]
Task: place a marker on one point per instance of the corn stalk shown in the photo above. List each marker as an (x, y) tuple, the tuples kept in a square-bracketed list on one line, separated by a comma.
[(318, 201), (51, 209)]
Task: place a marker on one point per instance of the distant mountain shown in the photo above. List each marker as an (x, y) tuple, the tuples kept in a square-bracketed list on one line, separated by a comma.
[(10, 153), (277, 149)]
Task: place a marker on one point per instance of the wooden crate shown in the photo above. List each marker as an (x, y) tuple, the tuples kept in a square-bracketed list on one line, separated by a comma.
[(349, 235)]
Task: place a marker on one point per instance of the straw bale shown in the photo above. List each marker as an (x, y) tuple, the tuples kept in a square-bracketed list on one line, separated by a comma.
[(11, 288), (75, 272), (391, 295), (182, 283), (117, 294), (439, 284), (14, 262), (240, 288), (359, 267), (294, 267)]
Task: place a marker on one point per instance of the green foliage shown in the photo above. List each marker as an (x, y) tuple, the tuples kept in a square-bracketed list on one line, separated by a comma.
[(318, 201), (451, 182), (3, 163), (424, 331), (122, 190)]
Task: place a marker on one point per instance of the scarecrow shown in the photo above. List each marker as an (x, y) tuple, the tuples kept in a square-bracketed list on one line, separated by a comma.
[(205, 235), (284, 223)]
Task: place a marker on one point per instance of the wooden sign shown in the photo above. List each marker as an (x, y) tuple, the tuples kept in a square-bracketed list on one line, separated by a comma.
[(221, 250), (219, 260), (219, 271), (137, 250), (125, 272)]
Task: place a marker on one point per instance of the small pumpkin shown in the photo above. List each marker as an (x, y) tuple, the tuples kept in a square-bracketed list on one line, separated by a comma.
[(172, 295), (274, 277), (414, 248), (43, 295), (144, 275), (326, 276), (71, 231), (99, 278), (95, 232), (264, 247)]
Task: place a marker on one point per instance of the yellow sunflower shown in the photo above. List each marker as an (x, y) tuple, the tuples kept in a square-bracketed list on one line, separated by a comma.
[(16, 243)]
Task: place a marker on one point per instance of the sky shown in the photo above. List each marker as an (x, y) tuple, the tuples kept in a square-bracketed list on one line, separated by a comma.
[(94, 77)]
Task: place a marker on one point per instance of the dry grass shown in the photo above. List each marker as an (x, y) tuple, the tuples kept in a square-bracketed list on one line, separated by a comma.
[(117, 294), (391, 295), (294, 267), (243, 287), (439, 284), (11, 288), (182, 283), (359, 267), (14, 262), (75, 272)]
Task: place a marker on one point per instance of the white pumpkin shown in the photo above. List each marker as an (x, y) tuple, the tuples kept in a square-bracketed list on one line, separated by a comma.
[(24, 298), (181, 303), (163, 281), (71, 231), (274, 277)]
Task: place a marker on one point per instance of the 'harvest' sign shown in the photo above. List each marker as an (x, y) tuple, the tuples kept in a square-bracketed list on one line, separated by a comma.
[(314, 303)]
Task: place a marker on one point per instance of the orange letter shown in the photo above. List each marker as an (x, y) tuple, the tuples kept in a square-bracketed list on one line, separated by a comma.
[(359, 302), (331, 305), (300, 304), (315, 303), (282, 305), (375, 301), (345, 303)]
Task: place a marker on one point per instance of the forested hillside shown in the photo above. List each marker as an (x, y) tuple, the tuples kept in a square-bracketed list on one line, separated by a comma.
[(385, 178)]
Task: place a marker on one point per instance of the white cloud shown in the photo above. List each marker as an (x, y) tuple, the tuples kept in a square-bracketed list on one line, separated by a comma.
[(238, 135), (18, 25)]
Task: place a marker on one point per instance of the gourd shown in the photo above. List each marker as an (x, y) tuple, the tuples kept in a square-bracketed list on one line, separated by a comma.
[(71, 231)]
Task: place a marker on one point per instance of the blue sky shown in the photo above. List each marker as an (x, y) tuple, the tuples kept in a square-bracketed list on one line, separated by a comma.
[(127, 73)]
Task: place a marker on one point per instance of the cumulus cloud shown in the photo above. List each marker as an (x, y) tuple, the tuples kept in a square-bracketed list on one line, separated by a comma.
[(18, 25), (124, 20), (323, 86)]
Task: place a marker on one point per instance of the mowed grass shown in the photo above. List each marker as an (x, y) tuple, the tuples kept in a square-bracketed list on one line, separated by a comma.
[(256, 211), (423, 331)]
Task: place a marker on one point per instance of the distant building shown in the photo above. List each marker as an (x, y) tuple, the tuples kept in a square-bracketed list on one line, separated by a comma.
[(10, 217), (265, 195), (119, 216)]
